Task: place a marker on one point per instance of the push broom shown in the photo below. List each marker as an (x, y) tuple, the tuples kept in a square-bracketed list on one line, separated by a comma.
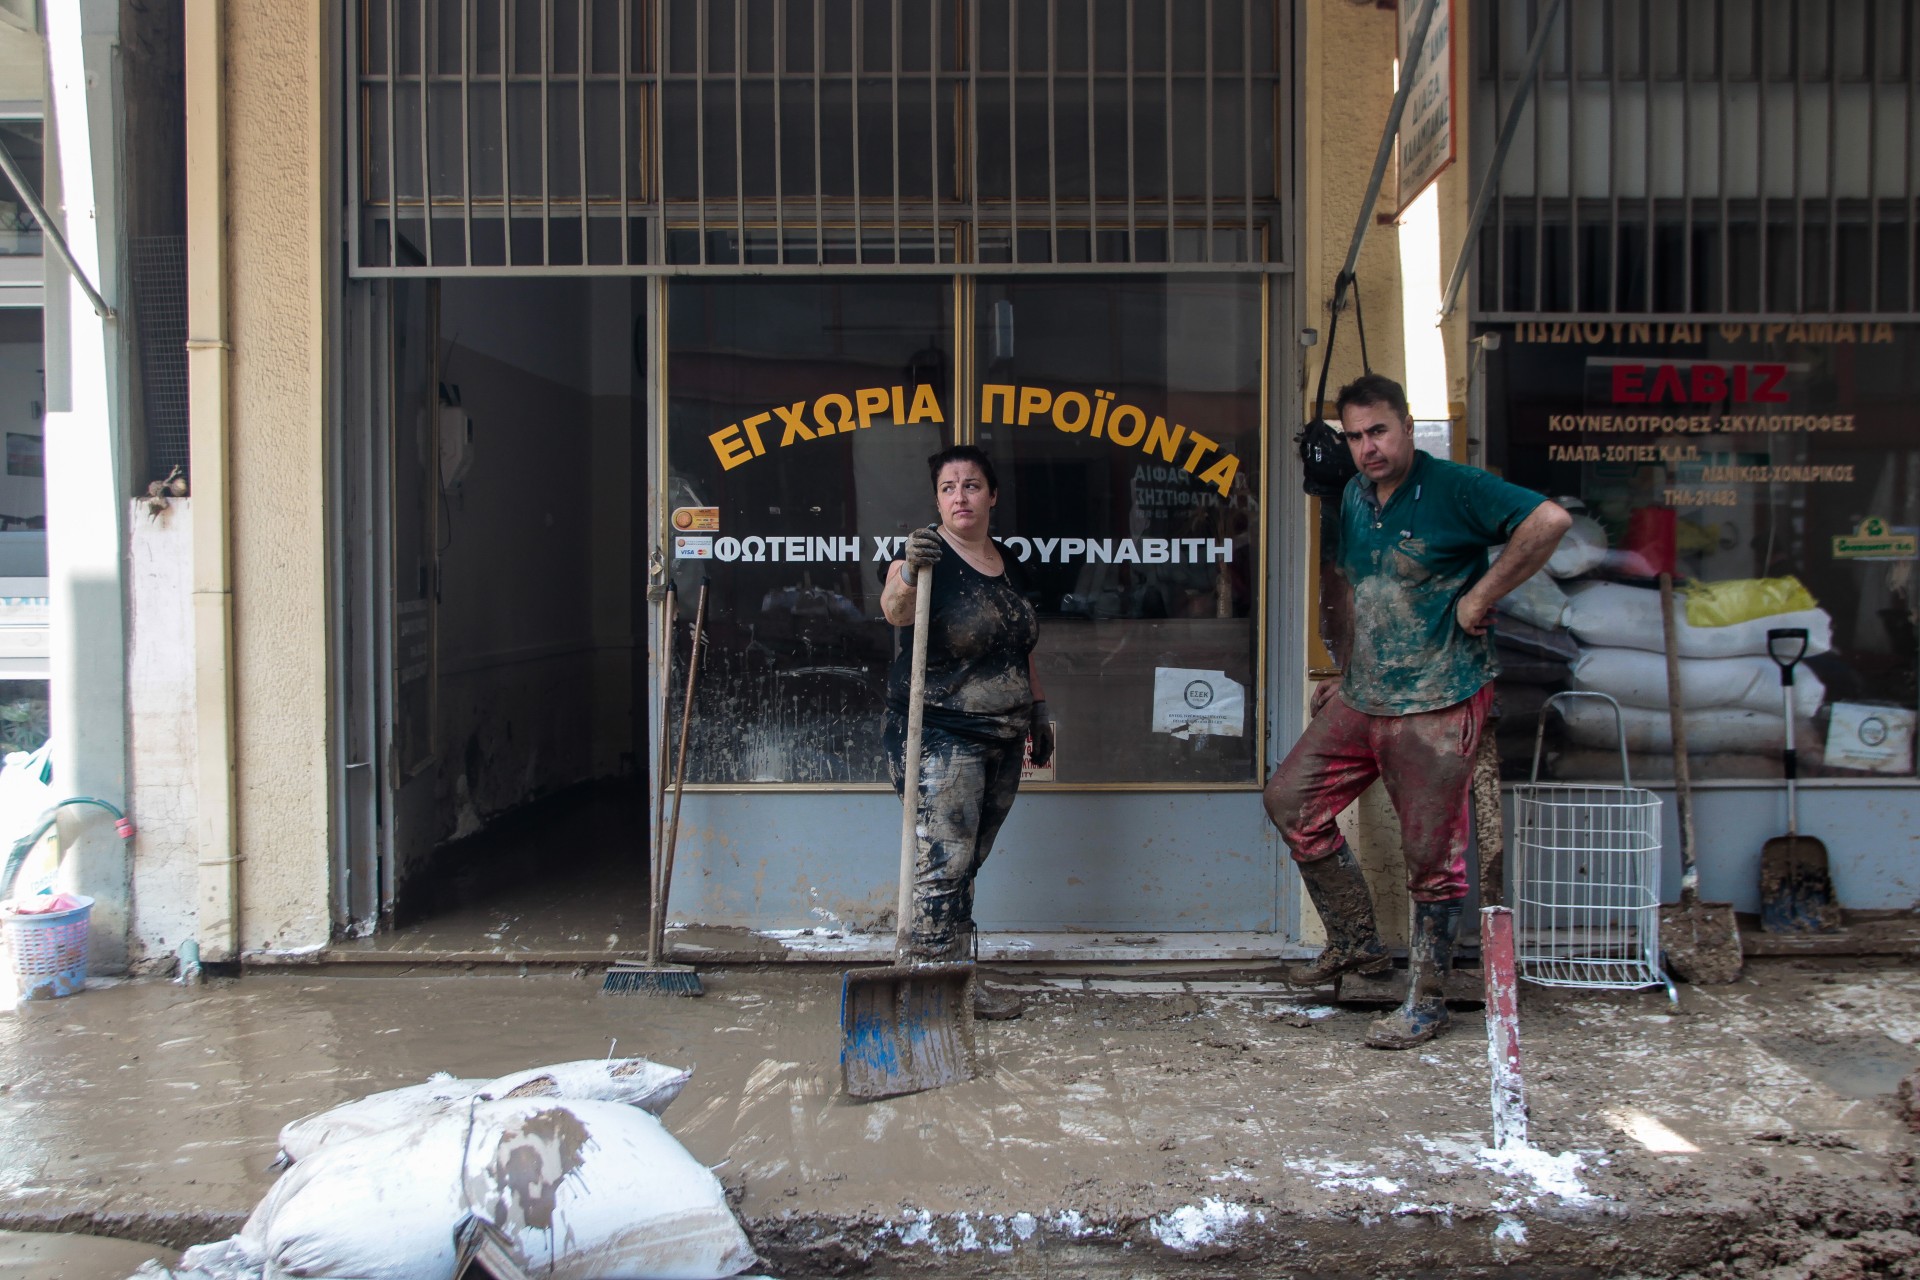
[(654, 976)]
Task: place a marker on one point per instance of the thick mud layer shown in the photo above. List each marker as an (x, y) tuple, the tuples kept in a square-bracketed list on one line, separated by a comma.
[(28, 1255), (1701, 942), (1125, 1126)]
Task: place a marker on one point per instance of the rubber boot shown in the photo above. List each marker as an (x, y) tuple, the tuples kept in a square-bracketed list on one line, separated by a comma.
[(1423, 1014), (994, 1003), (991, 1002), (1339, 891)]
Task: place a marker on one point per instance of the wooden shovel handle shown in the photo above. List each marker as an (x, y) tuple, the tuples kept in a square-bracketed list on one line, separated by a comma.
[(1489, 827), (1682, 774), (680, 768), (922, 580)]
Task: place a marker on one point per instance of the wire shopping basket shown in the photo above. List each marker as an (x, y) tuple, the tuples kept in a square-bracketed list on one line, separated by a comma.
[(1587, 874)]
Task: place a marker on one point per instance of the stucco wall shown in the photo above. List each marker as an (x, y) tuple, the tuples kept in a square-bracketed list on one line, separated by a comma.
[(277, 63), (160, 730), (1348, 85), (1347, 71)]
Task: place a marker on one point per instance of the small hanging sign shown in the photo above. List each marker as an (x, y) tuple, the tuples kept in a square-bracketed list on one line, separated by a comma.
[(1875, 539)]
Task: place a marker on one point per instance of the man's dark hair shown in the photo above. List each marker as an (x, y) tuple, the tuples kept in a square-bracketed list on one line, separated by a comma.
[(1372, 389), (963, 453)]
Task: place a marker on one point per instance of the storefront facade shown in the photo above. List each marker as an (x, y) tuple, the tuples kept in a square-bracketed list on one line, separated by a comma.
[(830, 240), (1694, 324)]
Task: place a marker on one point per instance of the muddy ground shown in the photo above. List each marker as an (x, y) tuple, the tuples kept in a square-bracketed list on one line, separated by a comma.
[(1129, 1125)]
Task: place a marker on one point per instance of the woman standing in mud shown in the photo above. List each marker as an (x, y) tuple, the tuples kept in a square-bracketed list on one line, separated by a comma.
[(982, 702)]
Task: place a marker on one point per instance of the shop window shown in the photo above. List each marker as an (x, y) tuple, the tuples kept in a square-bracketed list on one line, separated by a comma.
[(1125, 419), (1126, 415), (1773, 467), (799, 420)]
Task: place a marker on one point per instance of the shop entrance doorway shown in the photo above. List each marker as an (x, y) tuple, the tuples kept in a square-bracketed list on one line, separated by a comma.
[(492, 479)]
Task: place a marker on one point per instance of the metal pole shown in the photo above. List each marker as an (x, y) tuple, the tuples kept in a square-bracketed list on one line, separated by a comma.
[(1491, 182), (1415, 47), (52, 232)]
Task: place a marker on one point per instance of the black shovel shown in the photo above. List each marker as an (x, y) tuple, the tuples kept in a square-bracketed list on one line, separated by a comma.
[(1796, 893), (908, 1027)]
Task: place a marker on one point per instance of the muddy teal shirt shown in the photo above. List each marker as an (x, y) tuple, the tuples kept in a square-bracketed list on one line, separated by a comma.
[(1409, 563)]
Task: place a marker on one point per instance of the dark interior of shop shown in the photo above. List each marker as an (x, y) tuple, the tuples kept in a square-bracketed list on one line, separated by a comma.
[(535, 574)]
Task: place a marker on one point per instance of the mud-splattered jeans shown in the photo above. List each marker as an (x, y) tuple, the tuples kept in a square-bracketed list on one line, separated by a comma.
[(1426, 762), (966, 790)]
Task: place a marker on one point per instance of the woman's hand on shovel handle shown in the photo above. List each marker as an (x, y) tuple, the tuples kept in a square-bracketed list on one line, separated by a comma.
[(924, 548)]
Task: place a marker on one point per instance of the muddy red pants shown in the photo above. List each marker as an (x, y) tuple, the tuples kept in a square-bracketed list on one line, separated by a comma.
[(1426, 761)]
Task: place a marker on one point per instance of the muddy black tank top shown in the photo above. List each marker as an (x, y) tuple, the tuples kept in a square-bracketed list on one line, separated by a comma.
[(981, 633)]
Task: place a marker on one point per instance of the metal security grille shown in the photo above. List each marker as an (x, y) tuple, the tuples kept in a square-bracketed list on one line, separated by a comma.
[(678, 136), (1714, 158), (158, 271)]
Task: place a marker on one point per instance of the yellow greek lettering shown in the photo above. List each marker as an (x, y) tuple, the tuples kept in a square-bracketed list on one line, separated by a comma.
[(830, 423), (1202, 446), (1159, 438), (926, 407), (1101, 402), (989, 391), (1079, 421), (795, 427), (1129, 436), (1220, 474), (729, 447), (794, 417), (753, 431), (1033, 400), (871, 400)]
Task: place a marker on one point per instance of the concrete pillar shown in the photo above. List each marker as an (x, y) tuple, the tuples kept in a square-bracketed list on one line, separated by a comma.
[(86, 465)]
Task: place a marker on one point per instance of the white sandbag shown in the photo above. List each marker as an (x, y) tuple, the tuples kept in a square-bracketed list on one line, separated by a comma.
[(1539, 601), (375, 1113), (580, 1190), (234, 1259), (1638, 678), (1582, 549), (1722, 729), (1609, 615), (635, 1082), (1588, 764), (378, 1207)]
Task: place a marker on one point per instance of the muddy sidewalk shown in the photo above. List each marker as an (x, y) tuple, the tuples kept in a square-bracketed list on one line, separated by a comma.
[(1128, 1125)]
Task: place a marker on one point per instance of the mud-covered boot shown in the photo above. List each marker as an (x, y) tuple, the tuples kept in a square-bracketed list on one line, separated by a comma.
[(991, 1002), (1423, 1014), (994, 1003), (1339, 891)]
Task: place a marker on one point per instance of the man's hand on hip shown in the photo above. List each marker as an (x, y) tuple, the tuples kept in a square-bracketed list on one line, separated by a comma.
[(1474, 614), (1323, 694)]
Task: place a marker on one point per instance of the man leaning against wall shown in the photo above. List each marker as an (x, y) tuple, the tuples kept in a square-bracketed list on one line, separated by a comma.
[(1416, 650)]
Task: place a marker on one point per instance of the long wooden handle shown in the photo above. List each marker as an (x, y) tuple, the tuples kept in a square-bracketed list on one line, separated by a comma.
[(1682, 775), (680, 767), (1489, 827), (910, 793), (664, 656)]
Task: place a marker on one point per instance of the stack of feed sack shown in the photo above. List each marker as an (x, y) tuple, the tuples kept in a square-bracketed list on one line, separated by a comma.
[(1729, 687), (1531, 641), (1535, 663)]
